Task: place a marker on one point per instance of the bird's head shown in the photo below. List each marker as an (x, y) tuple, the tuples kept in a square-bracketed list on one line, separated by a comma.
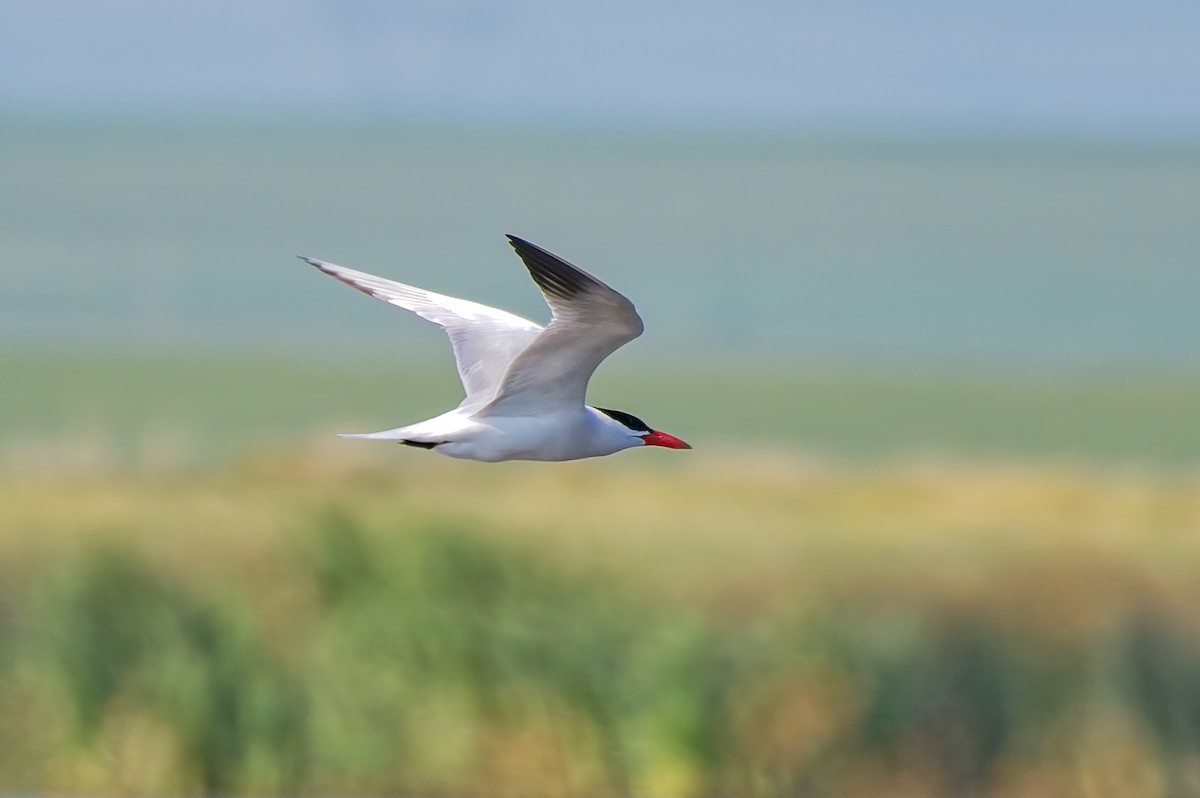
[(641, 430)]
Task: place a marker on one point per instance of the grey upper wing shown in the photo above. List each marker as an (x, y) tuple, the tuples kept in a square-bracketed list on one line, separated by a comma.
[(590, 322), (485, 340)]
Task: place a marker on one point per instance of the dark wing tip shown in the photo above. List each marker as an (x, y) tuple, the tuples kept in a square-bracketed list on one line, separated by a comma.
[(553, 275), (421, 444), (331, 270)]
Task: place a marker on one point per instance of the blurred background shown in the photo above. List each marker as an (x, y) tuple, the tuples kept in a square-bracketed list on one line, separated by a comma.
[(919, 284)]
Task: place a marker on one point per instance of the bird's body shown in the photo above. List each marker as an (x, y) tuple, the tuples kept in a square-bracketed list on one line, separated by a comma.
[(525, 384), (567, 435)]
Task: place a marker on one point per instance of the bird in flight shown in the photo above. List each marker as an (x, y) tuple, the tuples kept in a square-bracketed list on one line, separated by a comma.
[(525, 384)]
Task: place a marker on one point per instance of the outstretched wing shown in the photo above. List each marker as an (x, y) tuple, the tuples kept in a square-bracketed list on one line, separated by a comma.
[(485, 340), (590, 322)]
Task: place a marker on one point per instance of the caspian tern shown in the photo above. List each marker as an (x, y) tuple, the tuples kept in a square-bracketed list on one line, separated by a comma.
[(525, 384)]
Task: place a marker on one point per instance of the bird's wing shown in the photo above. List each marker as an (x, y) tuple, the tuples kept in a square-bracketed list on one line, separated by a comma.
[(485, 339), (590, 322)]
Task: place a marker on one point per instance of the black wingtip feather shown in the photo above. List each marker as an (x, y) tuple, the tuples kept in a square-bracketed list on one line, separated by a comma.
[(553, 275)]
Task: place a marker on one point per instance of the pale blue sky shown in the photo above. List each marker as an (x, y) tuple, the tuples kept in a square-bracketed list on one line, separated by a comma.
[(1077, 65)]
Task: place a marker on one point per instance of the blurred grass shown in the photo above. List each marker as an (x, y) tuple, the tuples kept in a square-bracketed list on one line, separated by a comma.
[(871, 582), (319, 624), (154, 411)]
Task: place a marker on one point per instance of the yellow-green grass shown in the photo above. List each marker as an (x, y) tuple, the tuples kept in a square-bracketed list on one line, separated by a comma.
[(357, 621)]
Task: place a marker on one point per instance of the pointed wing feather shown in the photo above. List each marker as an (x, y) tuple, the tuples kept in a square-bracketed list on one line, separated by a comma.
[(590, 322), (485, 340)]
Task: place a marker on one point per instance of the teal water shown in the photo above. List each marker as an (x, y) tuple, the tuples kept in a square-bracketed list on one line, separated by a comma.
[(793, 251)]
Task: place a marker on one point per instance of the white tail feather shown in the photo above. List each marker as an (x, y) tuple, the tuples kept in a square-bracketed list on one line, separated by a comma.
[(386, 435)]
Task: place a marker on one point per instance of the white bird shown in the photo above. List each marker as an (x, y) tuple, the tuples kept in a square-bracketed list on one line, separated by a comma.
[(525, 384)]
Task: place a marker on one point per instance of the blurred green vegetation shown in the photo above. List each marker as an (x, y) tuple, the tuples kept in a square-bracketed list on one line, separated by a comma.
[(316, 624), (969, 583)]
